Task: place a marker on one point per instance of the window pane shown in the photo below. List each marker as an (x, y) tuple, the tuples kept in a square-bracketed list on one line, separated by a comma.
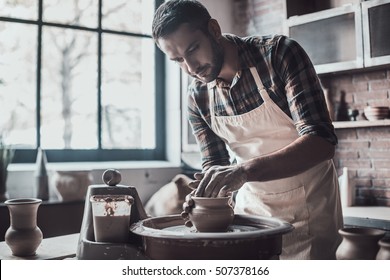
[(69, 94), (23, 9), (80, 12), (18, 83), (128, 15), (128, 94)]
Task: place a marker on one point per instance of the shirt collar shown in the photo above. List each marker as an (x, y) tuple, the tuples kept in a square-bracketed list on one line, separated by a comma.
[(245, 59)]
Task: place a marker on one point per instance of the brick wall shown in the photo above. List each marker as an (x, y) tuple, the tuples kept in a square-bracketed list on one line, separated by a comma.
[(260, 17), (365, 151)]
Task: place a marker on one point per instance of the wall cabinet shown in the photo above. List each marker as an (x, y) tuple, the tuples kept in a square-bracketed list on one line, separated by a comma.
[(376, 32), (346, 37)]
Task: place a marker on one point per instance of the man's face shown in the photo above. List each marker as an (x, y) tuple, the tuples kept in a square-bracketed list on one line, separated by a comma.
[(198, 55)]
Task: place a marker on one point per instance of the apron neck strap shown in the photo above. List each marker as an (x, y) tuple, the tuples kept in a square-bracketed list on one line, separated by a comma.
[(260, 87)]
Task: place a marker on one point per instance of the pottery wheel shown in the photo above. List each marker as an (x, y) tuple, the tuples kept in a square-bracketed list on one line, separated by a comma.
[(243, 226)]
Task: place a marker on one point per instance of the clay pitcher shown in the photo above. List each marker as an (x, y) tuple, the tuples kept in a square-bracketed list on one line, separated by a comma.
[(384, 250), (211, 214), (359, 243), (23, 236)]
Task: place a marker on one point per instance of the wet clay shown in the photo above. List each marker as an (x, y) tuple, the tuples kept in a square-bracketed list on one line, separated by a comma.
[(211, 214)]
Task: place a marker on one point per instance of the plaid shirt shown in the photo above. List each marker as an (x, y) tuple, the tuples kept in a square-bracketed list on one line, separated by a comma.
[(289, 78)]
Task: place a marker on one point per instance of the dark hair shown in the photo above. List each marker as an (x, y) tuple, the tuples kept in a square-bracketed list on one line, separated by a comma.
[(171, 14)]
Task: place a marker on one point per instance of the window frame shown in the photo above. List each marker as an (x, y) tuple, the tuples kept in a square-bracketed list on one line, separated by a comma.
[(99, 154)]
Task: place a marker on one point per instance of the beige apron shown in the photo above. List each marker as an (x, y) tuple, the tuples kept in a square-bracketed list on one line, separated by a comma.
[(310, 201)]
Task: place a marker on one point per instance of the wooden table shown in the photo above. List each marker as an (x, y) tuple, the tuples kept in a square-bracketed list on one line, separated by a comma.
[(53, 248)]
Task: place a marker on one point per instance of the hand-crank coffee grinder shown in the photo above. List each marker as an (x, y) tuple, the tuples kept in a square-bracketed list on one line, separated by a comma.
[(108, 212)]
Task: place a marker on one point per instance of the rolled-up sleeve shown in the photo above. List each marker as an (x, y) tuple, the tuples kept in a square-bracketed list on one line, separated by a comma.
[(213, 149), (304, 93)]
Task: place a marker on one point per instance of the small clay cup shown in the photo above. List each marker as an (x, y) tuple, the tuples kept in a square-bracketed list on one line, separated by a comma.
[(211, 214)]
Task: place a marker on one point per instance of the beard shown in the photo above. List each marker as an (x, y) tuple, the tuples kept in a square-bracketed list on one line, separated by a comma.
[(209, 72)]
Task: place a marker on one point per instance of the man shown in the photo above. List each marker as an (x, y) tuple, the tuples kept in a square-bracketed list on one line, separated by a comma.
[(261, 97)]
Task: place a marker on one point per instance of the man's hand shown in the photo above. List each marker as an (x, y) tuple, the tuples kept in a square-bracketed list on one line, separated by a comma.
[(219, 181), (187, 207)]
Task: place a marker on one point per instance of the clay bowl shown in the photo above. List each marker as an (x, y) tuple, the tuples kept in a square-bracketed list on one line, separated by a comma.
[(211, 214), (376, 112)]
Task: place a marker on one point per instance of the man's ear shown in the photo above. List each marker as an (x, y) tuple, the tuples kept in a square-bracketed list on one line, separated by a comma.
[(214, 29)]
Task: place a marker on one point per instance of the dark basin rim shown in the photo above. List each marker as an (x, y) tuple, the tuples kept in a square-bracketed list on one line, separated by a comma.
[(280, 227)]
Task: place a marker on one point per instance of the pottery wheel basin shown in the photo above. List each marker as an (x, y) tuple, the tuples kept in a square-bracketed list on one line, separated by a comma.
[(248, 237)]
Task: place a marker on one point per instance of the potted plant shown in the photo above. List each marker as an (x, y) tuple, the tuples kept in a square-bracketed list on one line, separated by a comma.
[(6, 155)]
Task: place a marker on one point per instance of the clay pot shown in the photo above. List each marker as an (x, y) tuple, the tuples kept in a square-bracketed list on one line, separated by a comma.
[(359, 243), (384, 250), (211, 214), (72, 185), (23, 236)]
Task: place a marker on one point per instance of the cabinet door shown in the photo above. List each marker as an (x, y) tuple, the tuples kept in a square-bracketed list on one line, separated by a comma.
[(332, 38), (376, 32)]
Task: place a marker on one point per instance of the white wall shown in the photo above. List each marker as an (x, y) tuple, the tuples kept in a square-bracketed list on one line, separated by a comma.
[(221, 10)]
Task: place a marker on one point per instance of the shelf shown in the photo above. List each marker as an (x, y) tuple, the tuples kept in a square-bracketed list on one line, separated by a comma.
[(357, 124)]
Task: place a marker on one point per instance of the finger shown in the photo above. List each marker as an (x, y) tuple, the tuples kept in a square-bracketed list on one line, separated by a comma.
[(225, 191), (184, 215), (188, 197), (204, 188), (186, 207), (201, 187), (194, 184), (214, 190), (198, 176), (211, 189)]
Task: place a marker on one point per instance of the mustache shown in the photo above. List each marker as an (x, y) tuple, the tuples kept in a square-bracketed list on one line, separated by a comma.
[(200, 70)]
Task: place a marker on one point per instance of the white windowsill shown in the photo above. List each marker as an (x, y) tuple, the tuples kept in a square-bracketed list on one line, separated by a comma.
[(74, 166), (370, 212)]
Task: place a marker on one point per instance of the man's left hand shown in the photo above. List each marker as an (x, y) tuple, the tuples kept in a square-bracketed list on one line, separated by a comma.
[(219, 181)]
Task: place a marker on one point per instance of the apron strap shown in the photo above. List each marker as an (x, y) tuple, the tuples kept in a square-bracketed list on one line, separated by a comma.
[(211, 100), (260, 87)]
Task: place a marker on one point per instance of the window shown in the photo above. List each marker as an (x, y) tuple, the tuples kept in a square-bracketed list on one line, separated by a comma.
[(81, 79)]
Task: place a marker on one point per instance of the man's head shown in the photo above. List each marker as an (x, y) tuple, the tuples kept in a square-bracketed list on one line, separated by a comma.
[(172, 14), (186, 33)]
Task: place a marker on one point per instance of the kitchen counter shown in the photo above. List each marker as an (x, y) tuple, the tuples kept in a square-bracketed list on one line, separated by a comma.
[(367, 216), (371, 212)]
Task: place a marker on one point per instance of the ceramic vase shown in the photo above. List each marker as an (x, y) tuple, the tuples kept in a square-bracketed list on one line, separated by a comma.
[(211, 214), (23, 236), (72, 185), (384, 250), (359, 243)]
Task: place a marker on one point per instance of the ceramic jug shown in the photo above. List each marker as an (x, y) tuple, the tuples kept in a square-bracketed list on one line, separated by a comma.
[(23, 236), (384, 250), (359, 243), (211, 214)]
